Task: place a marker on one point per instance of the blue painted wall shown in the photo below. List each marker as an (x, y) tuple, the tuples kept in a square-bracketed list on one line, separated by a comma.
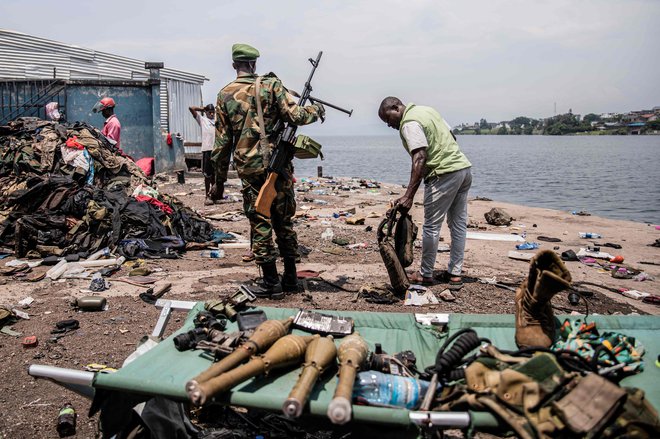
[(134, 109)]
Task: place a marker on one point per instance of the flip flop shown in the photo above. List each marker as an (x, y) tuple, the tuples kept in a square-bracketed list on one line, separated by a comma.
[(445, 277), (417, 278), (652, 299), (455, 285)]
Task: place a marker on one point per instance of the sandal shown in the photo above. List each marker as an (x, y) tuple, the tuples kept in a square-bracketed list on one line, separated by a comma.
[(248, 257), (455, 285), (652, 299), (446, 277), (417, 278)]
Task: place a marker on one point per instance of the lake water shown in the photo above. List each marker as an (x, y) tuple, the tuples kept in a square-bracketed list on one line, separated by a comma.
[(610, 176)]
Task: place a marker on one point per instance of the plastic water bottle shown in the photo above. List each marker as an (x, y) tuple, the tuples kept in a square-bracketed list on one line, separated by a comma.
[(214, 254), (380, 389), (589, 235)]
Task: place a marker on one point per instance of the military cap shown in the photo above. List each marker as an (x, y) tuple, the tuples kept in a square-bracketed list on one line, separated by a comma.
[(243, 52)]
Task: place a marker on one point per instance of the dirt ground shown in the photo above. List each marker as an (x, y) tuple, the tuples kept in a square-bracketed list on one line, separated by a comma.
[(29, 407)]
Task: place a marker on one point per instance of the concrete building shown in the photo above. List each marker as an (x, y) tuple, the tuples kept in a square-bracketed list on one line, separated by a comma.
[(152, 101)]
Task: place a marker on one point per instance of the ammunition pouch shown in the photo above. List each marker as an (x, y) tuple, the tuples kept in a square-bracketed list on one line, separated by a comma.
[(398, 276), (537, 398), (307, 148)]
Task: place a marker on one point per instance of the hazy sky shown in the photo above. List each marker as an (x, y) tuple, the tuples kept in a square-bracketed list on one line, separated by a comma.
[(468, 59)]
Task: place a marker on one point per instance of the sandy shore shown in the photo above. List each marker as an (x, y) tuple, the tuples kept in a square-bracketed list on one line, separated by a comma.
[(30, 407)]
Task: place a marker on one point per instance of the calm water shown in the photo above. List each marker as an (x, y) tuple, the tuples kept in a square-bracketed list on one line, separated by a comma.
[(611, 176)]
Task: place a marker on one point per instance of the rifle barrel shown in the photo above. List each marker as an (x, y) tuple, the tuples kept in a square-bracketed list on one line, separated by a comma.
[(328, 104)]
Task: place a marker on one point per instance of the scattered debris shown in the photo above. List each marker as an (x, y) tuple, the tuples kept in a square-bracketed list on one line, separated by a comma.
[(498, 217)]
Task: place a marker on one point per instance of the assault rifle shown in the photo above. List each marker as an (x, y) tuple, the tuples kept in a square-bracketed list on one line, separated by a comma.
[(285, 138)]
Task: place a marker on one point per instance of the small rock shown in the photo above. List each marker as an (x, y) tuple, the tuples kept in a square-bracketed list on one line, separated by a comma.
[(447, 296)]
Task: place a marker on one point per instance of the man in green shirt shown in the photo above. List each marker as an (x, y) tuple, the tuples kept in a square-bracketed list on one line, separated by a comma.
[(436, 159)]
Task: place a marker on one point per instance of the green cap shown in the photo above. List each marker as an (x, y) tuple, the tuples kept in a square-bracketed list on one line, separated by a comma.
[(243, 52)]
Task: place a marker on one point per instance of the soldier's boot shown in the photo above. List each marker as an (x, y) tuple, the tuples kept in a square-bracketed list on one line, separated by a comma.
[(269, 287), (535, 323), (290, 277)]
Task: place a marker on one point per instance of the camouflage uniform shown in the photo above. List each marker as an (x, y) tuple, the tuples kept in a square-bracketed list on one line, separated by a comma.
[(237, 130)]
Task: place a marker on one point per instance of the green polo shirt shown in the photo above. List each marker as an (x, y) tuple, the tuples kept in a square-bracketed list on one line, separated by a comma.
[(442, 154)]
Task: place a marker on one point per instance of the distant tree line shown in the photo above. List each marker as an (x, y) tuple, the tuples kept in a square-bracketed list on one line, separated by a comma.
[(561, 124)]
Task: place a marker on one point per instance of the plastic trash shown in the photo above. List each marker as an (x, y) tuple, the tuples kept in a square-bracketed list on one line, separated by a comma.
[(99, 254), (322, 202), (328, 234), (527, 246), (213, 254), (379, 389), (589, 235), (98, 284)]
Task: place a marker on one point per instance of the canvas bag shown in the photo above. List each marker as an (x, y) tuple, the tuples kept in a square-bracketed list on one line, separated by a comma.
[(398, 276)]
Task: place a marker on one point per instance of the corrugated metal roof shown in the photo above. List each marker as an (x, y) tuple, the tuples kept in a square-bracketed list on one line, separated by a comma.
[(25, 56)]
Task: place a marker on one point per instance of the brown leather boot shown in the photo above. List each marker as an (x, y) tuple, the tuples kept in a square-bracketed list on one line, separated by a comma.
[(535, 323)]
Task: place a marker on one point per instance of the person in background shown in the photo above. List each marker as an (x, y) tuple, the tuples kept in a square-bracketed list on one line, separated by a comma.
[(205, 117), (111, 126), (447, 175), (239, 127)]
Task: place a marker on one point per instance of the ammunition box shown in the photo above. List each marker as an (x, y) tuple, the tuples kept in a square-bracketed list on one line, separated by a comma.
[(307, 148)]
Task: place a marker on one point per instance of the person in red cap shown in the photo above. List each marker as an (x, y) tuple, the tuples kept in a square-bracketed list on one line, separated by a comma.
[(111, 126)]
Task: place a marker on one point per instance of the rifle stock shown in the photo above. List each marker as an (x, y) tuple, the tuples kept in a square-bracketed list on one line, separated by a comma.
[(267, 194)]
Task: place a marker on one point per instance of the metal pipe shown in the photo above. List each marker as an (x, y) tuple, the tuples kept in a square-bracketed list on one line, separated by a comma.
[(440, 419), (328, 104), (63, 375), (79, 381)]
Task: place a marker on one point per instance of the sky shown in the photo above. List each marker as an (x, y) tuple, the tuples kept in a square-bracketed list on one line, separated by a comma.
[(470, 60)]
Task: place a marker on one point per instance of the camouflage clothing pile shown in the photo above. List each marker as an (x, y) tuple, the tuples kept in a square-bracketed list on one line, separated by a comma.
[(67, 189), (543, 397)]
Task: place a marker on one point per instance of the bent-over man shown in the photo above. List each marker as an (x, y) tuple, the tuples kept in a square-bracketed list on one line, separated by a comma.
[(439, 162)]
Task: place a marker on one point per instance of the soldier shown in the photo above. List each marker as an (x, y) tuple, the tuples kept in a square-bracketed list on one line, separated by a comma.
[(238, 129)]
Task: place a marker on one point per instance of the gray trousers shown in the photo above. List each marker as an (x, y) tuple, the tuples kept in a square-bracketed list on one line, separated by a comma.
[(445, 195)]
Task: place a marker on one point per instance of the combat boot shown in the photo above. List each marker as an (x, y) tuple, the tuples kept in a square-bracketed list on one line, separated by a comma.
[(290, 278), (269, 287), (535, 323)]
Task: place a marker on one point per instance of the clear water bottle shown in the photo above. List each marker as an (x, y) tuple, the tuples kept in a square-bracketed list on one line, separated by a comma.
[(589, 235), (380, 389), (214, 254)]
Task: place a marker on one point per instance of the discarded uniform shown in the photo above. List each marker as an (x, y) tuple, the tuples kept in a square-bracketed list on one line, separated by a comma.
[(238, 132)]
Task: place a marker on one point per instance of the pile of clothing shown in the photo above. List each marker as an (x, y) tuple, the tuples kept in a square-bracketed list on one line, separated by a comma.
[(66, 189)]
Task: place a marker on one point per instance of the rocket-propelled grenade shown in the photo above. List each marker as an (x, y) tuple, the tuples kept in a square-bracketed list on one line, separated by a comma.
[(352, 353), (287, 351), (320, 355), (263, 337)]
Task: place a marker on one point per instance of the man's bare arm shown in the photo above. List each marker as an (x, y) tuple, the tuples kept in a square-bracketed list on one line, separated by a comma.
[(194, 110), (416, 176)]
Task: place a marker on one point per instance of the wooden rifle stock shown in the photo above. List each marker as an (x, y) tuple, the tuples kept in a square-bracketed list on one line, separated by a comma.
[(267, 195)]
